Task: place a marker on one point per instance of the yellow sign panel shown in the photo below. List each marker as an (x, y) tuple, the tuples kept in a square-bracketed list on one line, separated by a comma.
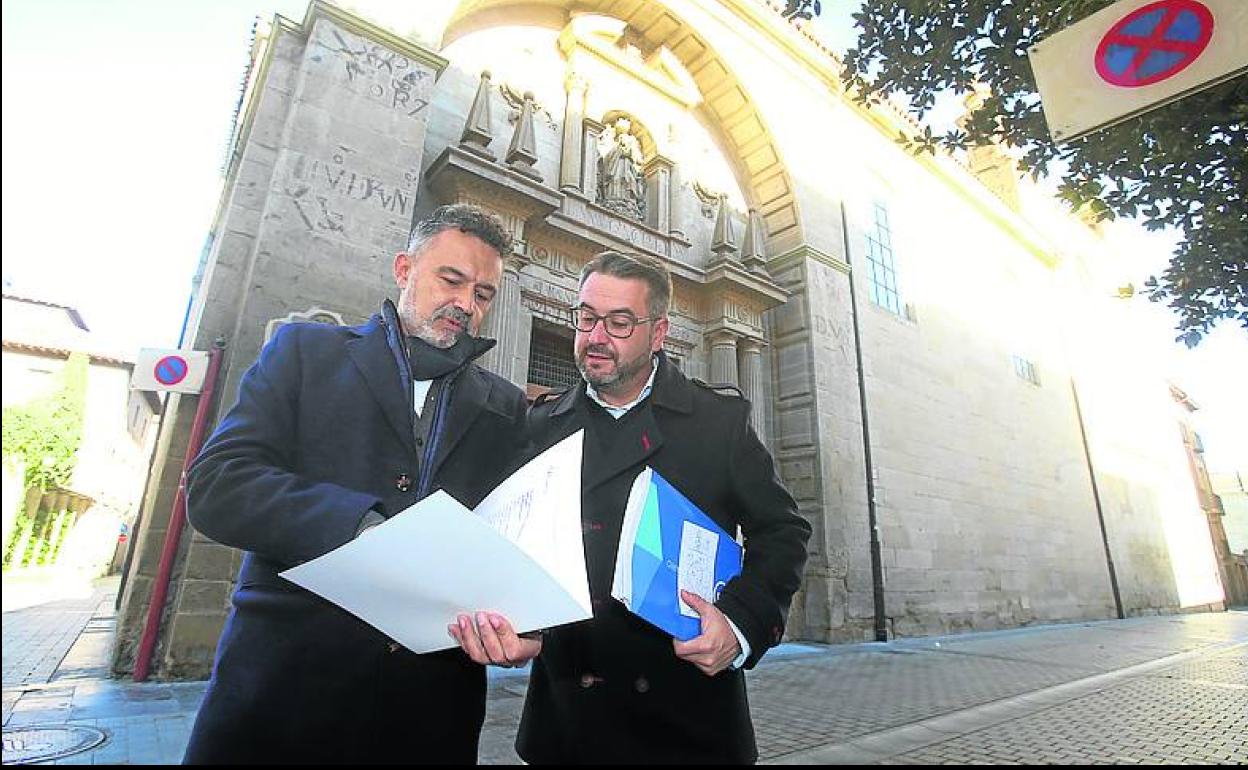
[(1134, 56)]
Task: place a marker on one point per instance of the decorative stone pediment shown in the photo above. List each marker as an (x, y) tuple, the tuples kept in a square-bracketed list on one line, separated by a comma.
[(613, 41)]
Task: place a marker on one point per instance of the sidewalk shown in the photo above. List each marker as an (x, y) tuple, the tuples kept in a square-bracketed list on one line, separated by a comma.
[(1157, 689)]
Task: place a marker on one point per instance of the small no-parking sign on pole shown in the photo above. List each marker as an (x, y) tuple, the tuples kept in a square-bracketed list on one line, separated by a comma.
[(1134, 56), (180, 371)]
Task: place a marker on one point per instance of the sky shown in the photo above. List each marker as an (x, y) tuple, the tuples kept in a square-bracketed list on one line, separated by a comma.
[(116, 115)]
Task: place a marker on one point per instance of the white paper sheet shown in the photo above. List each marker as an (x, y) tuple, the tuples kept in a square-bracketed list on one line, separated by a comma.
[(539, 509), (696, 574), (412, 575)]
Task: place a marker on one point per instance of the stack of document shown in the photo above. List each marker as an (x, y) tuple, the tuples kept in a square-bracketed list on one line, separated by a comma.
[(519, 553), (668, 545)]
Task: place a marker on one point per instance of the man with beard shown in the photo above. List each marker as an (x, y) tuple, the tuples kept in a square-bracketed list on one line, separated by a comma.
[(336, 429), (616, 689)]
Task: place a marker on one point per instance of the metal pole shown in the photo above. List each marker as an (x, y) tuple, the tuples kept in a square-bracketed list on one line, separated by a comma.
[(177, 520), (877, 568), (1096, 498)]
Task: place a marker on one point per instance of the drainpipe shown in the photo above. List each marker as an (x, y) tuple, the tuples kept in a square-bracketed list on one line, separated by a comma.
[(177, 520), (1096, 498), (877, 568)]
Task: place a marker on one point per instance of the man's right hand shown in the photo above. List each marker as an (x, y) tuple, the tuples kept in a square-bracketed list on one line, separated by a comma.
[(491, 641)]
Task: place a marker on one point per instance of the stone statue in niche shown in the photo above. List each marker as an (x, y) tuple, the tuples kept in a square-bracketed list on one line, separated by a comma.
[(621, 186)]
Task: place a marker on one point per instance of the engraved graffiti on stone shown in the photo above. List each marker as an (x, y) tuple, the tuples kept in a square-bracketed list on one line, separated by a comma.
[(316, 185), (621, 186), (379, 73)]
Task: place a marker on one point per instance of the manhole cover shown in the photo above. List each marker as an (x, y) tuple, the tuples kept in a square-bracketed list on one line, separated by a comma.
[(36, 744)]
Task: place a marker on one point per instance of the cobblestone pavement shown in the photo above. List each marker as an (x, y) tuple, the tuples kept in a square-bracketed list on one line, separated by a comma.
[(1159, 690)]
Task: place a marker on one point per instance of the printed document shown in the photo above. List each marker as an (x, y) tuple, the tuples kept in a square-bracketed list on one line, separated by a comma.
[(519, 554)]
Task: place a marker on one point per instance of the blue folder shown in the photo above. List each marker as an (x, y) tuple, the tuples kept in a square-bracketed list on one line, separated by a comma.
[(662, 527)]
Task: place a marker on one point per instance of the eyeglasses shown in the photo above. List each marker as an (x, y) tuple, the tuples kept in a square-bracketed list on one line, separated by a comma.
[(619, 324)]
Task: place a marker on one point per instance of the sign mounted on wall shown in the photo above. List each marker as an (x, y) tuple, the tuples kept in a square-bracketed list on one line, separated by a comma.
[(1134, 56), (180, 371)]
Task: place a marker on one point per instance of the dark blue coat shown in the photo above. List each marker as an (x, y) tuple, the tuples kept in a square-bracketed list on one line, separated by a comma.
[(322, 432)]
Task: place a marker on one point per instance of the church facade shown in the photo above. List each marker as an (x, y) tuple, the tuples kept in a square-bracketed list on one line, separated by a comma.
[(931, 351)]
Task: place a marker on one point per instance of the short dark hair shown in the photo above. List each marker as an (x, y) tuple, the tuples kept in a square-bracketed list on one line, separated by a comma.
[(466, 218), (635, 266)]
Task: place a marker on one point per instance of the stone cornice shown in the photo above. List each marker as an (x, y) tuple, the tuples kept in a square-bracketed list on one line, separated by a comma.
[(581, 218), (458, 169), (364, 28), (785, 260), (724, 275)]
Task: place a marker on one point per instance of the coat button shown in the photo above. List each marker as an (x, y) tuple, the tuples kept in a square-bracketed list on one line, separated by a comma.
[(642, 685), (403, 482), (587, 680)]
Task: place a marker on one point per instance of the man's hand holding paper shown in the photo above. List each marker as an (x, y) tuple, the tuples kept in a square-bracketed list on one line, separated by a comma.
[(414, 580), (491, 641)]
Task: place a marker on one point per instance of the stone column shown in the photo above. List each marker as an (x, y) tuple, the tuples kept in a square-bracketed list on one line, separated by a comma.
[(723, 239), (572, 155), (751, 362), (658, 173), (503, 324), (591, 130), (723, 358), (675, 212)]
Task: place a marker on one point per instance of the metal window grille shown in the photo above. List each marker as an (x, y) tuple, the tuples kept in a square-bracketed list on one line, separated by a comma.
[(551, 364), (1026, 370), (882, 270)]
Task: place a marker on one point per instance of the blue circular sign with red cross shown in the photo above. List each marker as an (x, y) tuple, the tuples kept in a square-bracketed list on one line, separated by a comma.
[(1154, 42), (170, 370)]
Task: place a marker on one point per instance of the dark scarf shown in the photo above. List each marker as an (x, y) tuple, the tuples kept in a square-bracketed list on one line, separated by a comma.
[(429, 362)]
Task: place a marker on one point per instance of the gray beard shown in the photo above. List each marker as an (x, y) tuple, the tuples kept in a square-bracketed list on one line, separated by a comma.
[(426, 332)]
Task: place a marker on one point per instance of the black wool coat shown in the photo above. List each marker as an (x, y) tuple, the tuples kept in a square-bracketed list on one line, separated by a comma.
[(323, 432), (611, 689)]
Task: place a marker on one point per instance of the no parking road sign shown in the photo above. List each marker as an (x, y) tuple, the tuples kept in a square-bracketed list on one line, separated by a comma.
[(1134, 56), (180, 371), (1153, 43)]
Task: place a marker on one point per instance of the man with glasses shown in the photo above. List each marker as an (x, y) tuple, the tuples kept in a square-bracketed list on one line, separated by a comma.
[(335, 430), (615, 688)]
